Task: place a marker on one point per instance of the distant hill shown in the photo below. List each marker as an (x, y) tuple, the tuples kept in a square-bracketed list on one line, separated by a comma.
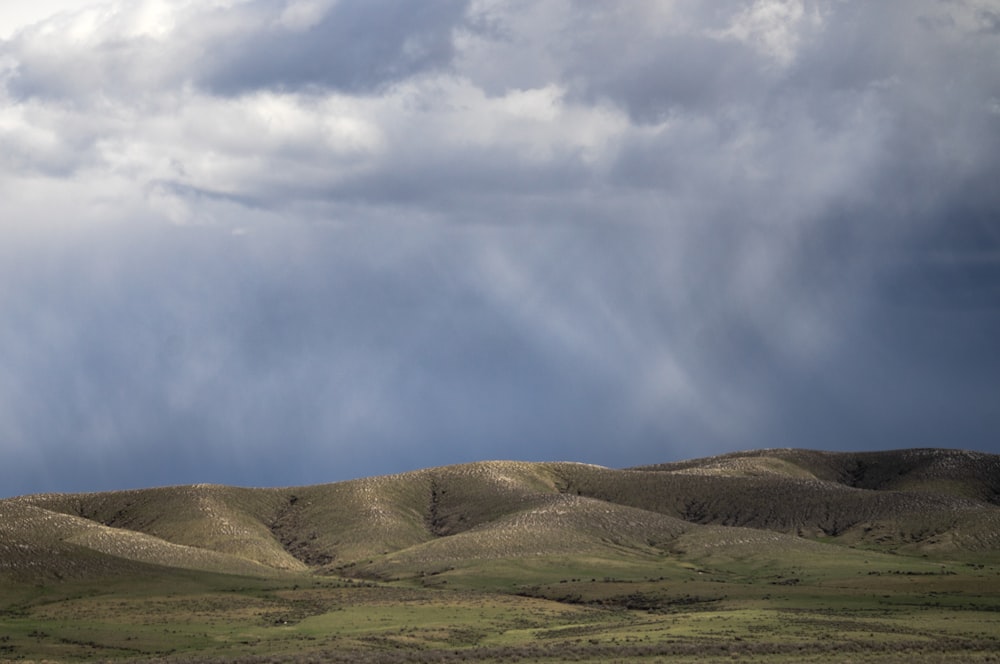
[(765, 503)]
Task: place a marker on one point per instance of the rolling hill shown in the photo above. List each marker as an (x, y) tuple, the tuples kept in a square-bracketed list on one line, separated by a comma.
[(760, 504)]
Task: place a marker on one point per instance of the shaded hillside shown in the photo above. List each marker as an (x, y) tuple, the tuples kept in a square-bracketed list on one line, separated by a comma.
[(809, 508), (908, 499), (921, 501), (951, 472)]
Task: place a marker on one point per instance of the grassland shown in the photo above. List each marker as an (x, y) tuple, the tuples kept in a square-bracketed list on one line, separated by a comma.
[(776, 556)]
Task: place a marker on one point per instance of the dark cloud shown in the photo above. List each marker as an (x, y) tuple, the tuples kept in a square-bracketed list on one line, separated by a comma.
[(279, 243), (657, 76), (193, 341), (354, 46)]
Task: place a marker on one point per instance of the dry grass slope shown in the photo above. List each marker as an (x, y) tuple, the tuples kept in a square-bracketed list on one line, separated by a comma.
[(37, 543), (961, 473), (553, 525), (214, 518), (910, 501)]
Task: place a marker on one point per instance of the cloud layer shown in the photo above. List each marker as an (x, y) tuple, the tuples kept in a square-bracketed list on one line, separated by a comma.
[(266, 242)]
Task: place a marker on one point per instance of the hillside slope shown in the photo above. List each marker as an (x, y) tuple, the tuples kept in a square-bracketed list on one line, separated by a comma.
[(907, 501), (39, 544), (220, 519), (960, 473), (924, 500)]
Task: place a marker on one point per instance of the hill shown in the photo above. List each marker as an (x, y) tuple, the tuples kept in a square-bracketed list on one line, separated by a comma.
[(912, 501)]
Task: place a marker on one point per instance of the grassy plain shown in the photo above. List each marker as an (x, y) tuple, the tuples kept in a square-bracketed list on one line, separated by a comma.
[(629, 608)]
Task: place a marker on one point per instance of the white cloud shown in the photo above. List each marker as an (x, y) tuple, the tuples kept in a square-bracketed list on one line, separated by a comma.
[(304, 14), (773, 27), (15, 16)]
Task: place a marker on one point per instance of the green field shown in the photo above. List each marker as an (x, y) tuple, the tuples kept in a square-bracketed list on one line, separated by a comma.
[(892, 609)]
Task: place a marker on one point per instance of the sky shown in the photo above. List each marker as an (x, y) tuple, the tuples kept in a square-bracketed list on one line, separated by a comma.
[(286, 242)]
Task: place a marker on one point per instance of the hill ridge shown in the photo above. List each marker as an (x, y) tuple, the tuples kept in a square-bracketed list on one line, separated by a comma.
[(919, 501)]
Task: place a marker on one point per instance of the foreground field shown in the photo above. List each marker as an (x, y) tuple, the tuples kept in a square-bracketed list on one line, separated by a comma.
[(540, 610)]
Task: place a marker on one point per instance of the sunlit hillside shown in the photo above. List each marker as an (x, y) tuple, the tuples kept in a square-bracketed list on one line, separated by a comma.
[(919, 501)]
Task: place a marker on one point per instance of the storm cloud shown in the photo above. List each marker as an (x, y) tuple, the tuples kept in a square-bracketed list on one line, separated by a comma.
[(275, 242)]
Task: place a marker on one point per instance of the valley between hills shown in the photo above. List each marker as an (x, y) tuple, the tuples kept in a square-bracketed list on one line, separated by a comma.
[(782, 555)]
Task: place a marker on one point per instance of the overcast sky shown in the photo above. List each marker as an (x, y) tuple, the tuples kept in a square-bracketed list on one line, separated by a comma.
[(281, 242)]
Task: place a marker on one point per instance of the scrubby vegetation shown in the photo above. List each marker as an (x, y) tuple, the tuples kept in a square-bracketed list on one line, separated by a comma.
[(774, 555)]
